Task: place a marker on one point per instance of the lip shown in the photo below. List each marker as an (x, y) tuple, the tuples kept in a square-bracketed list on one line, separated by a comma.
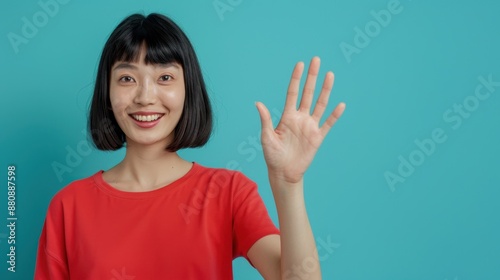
[(145, 113), (146, 124)]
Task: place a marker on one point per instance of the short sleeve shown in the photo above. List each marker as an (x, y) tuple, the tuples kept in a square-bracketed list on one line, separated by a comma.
[(251, 220), (51, 256)]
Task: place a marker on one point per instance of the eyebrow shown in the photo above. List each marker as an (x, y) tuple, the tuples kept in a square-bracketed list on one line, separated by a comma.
[(125, 65)]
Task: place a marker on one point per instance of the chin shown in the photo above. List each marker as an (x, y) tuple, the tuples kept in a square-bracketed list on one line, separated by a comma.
[(147, 140)]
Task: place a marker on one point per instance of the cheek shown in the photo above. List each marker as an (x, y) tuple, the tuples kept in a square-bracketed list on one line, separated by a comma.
[(118, 105), (174, 99)]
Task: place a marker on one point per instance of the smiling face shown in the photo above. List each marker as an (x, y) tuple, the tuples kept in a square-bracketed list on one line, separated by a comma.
[(147, 100)]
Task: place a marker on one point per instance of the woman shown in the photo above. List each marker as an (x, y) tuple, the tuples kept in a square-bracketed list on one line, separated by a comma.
[(158, 216)]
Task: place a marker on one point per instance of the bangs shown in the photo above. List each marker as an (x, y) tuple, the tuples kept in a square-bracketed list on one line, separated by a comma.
[(161, 45)]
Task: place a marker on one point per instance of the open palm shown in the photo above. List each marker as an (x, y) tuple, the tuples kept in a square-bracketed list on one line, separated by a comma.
[(290, 148)]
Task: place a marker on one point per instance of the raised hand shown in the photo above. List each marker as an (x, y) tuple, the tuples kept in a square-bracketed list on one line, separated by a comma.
[(290, 148)]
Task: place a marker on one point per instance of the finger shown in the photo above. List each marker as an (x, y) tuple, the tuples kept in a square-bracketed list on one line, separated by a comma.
[(308, 93), (332, 119), (265, 117), (322, 102), (293, 87)]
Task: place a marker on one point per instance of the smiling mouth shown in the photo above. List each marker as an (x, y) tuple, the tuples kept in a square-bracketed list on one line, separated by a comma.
[(147, 118)]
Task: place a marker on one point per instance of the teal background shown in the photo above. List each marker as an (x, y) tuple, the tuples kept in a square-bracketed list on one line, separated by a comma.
[(442, 222)]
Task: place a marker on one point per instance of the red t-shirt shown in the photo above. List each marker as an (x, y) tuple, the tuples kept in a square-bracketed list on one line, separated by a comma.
[(190, 229)]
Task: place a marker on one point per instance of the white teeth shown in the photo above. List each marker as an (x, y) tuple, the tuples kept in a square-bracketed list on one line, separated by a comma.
[(148, 118)]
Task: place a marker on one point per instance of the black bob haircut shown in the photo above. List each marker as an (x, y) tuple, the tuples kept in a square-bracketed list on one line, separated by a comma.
[(165, 42)]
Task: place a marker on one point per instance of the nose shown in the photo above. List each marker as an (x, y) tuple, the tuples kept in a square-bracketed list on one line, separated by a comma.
[(146, 94)]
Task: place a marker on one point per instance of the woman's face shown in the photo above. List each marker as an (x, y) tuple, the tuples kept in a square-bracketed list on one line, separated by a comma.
[(147, 100)]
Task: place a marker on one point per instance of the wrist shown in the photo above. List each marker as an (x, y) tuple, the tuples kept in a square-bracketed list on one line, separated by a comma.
[(283, 187), (285, 178)]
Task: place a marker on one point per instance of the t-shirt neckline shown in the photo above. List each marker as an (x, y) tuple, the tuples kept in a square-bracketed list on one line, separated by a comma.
[(110, 190)]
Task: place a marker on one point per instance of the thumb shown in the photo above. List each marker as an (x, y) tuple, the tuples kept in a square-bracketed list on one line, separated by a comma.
[(265, 116)]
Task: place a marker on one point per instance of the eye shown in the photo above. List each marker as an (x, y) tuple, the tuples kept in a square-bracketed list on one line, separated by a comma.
[(126, 79), (166, 78)]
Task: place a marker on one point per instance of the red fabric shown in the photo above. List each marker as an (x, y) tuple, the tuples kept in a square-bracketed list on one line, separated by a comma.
[(190, 229)]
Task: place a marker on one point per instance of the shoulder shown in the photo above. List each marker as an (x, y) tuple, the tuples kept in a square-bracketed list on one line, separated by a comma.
[(232, 183), (66, 199), (222, 176), (75, 189)]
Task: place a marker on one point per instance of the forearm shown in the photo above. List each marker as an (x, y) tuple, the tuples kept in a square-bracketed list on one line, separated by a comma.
[(299, 257)]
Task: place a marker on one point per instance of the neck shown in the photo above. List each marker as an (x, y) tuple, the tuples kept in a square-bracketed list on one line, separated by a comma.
[(150, 166)]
